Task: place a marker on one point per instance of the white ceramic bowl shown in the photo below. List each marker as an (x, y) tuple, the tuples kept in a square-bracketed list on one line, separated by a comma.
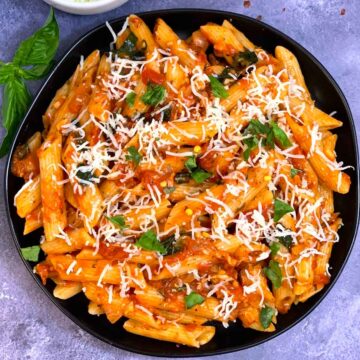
[(85, 7)]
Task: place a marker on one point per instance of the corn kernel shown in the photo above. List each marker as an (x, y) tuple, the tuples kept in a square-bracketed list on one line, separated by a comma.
[(205, 234), (267, 178), (197, 149), (188, 212), (163, 183)]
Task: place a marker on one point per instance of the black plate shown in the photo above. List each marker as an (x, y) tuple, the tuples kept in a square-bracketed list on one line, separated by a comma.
[(328, 97)]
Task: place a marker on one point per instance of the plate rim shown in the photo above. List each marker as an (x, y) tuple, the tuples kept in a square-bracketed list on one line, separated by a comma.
[(193, 11)]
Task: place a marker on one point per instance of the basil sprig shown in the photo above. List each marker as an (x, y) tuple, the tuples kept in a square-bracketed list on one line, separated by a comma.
[(32, 60)]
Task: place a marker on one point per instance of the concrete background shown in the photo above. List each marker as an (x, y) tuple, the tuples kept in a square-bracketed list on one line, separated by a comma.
[(33, 328)]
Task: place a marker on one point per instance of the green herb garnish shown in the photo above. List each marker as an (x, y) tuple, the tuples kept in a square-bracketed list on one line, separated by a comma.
[(190, 163), (32, 60), (31, 253), (274, 247), (182, 177), (130, 99), (273, 273), (266, 316), (294, 172), (280, 209), (245, 59), (134, 155), (218, 88), (84, 175), (154, 94), (193, 299), (198, 174), (149, 241), (171, 245), (128, 48), (286, 241), (118, 221)]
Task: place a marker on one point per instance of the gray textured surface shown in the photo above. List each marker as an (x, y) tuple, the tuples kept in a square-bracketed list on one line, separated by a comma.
[(32, 328)]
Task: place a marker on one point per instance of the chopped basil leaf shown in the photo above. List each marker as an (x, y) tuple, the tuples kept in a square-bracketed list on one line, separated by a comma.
[(169, 189), (280, 209), (225, 74), (274, 247), (266, 316), (294, 172), (149, 241), (134, 155), (182, 177), (128, 48), (273, 273), (31, 253), (280, 135), (181, 288), (130, 99), (200, 175), (286, 241), (193, 299), (217, 88), (167, 114), (245, 59), (190, 163), (171, 245), (154, 94), (117, 220), (84, 174)]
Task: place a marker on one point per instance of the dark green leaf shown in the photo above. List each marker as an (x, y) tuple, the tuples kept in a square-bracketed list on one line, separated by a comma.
[(16, 101), (134, 155), (128, 48), (225, 74), (167, 114), (190, 163), (218, 88), (149, 241), (118, 221), (200, 175), (40, 48), (182, 177), (245, 59), (130, 99), (36, 72), (251, 144), (286, 241), (154, 94), (256, 127), (280, 209), (193, 299), (171, 245), (273, 273), (84, 174), (169, 189), (280, 135), (294, 172), (31, 253), (266, 316), (274, 247)]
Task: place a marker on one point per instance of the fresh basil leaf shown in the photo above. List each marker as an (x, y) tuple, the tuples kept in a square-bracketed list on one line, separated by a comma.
[(36, 72), (130, 99), (190, 163), (256, 127), (40, 47), (294, 172), (128, 48), (266, 316), (134, 155), (169, 189), (16, 101), (280, 135), (154, 94), (149, 241), (117, 220), (7, 71), (286, 241), (31, 253), (280, 209), (218, 88), (200, 175), (193, 299), (273, 273), (182, 177), (245, 59), (274, 247), (251, 144)]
